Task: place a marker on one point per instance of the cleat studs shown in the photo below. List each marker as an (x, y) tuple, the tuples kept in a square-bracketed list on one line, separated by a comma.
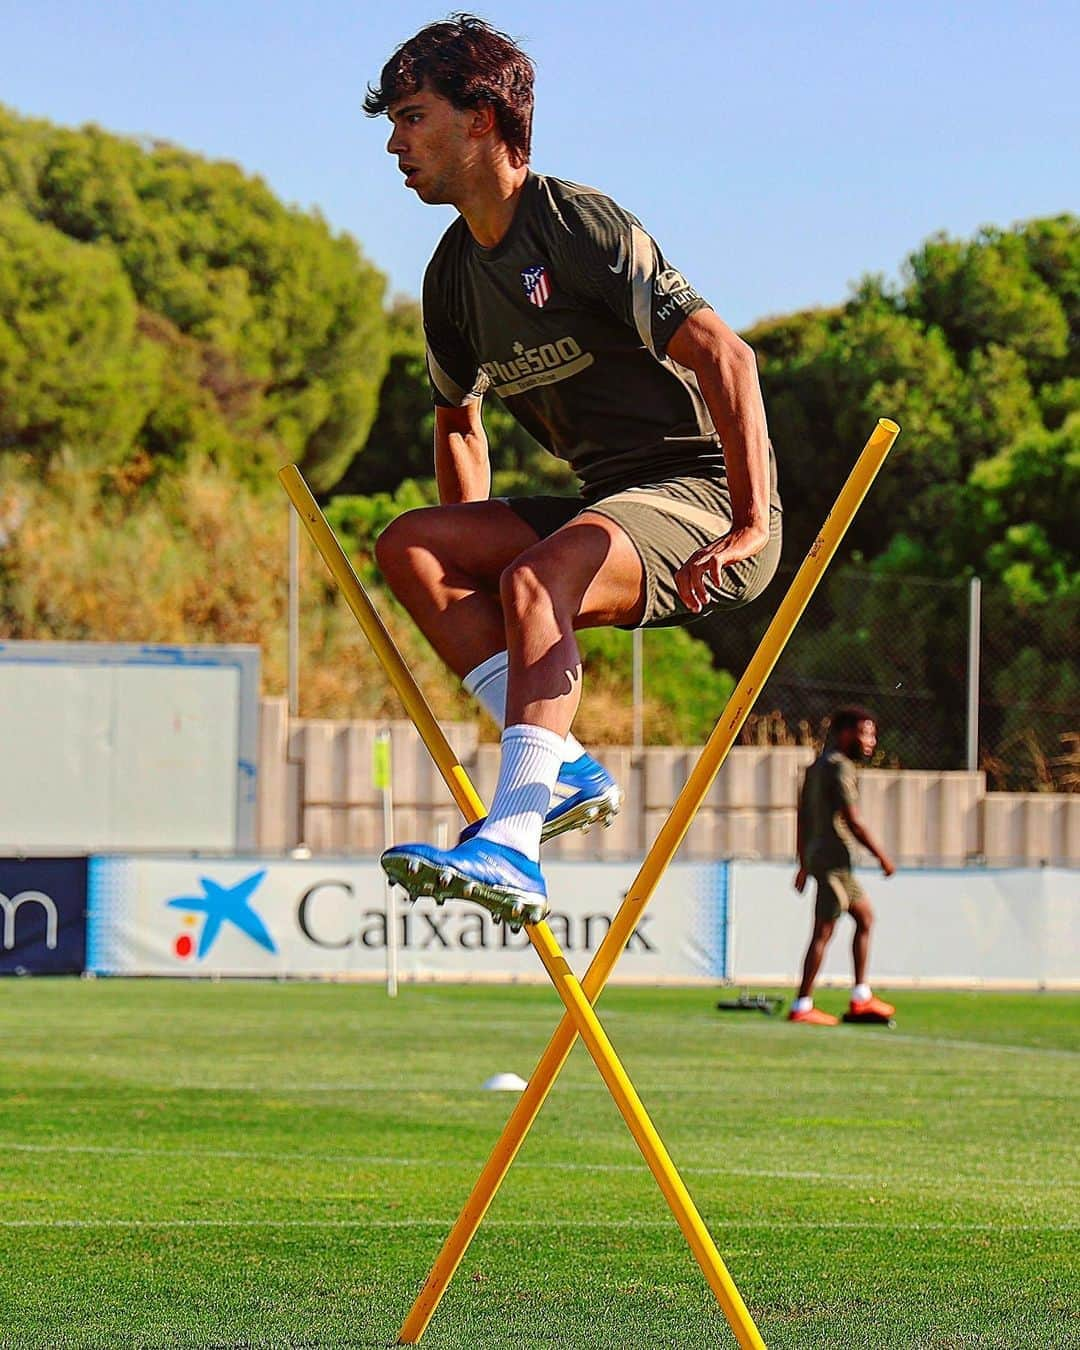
[(470, 889), (586, 827), (413, 866), (445, 876)]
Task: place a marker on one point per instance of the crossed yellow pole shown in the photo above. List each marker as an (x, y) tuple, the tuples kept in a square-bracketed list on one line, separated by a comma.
[(578, 997)]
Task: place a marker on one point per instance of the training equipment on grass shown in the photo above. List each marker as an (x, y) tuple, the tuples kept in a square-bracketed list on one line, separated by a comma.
[(747, 1002), (505, 1082), (580, 1019), (578, 997)]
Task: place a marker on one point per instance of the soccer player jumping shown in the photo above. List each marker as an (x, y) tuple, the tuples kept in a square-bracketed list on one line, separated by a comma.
[(557, 299)]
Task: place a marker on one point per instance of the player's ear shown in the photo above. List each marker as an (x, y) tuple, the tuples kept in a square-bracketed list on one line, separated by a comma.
[(482, 121)]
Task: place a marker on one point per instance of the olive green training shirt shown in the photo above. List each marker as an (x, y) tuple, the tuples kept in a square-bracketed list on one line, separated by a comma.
[(568, 319), (830, 784)]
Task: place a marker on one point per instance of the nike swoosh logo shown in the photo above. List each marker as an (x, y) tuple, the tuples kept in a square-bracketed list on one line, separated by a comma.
[(620, 261)]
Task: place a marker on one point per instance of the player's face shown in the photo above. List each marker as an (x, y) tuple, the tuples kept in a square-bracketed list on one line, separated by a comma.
[(866, 738), (432, 144)]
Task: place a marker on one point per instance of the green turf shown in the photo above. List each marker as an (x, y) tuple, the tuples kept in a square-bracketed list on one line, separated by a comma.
[(251, 1164)]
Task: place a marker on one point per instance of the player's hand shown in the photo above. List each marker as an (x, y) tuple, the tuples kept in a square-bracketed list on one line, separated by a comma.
[(800, 880), (887, 864), (699, 579)]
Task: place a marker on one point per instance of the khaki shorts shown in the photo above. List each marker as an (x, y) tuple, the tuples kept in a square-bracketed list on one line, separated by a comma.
[(666, 522), (837, 891)]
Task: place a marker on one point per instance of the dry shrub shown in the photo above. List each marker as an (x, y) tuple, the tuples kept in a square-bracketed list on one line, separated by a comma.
[(196, 557), (201, 560)]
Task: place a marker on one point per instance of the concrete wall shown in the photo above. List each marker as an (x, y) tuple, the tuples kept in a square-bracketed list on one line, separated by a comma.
[(315, 789)]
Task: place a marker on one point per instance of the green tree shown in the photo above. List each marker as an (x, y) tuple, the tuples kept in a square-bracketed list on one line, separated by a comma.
[(212, 251), (74, 369), (984, 291)]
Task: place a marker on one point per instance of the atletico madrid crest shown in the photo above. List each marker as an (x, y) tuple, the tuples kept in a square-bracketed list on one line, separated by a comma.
[(537, 285)]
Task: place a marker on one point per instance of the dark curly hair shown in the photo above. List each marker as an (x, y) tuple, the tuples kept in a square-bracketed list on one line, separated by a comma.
[(850, 718), (471, 65)]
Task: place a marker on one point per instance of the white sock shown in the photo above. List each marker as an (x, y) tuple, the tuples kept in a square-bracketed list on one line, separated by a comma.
[(487, 684), (861, 993), (802, 1005), (531, 759)]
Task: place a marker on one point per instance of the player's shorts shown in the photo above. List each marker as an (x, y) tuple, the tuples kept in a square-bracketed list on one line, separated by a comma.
[(837, 891), (666, 522)]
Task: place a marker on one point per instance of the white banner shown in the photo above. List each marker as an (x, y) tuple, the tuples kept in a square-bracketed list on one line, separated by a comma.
[(326, 917), (938, 926)]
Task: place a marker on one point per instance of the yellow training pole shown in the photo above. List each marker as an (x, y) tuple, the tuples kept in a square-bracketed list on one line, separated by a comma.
[(579, 1012), (416, 705), (652, 869), (630, 1105)]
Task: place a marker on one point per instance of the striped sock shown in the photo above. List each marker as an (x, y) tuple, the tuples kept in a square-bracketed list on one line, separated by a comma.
[(531, 759)]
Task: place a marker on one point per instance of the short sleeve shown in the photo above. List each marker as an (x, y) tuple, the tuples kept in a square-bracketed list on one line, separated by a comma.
[(453, 368), (847, 784), (625, 269)]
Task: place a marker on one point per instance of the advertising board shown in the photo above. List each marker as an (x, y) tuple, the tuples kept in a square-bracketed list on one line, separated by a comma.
[(327, 917), (42, 915)]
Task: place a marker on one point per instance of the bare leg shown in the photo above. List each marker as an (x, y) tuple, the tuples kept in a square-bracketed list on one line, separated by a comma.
[(587, 574), (443, 563), (860, 946), (815, 954)]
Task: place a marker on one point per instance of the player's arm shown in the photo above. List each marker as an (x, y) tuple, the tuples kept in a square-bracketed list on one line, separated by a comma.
[(800, 843), (850, 814), (462, 466), (726, 370)]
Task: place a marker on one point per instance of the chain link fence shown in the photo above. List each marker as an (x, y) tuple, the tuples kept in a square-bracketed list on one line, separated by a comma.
[(956, 675), (1029, 696)]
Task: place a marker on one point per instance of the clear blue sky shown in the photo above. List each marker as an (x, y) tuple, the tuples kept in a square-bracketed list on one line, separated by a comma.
[(778, 150)]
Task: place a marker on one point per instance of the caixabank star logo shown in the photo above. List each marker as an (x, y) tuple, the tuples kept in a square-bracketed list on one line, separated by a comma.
[(220, 905)]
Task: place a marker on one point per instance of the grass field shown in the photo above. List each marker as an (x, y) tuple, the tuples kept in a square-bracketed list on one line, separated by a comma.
[(249, 1164)]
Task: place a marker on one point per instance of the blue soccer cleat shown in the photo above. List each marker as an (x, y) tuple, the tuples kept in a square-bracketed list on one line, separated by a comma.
[(501, 879), (585, 795)]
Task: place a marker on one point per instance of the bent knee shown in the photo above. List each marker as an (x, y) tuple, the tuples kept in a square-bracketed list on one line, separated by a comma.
[(395, 539), (402, 536), (523, 585)]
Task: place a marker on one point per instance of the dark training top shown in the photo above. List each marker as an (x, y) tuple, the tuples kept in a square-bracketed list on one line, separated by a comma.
[(830, 785), (568, 319)]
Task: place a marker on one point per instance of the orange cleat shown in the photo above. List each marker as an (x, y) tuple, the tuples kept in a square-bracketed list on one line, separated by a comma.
[(872, 1009), (815, 1017)]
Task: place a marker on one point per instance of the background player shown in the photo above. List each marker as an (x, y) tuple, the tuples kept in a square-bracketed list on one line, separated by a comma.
[(555, 297), (829, 824)]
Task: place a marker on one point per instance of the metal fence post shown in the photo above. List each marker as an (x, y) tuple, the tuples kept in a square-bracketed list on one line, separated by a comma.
[(638, 691), (382, 777), (974, 646), (294, 614)]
